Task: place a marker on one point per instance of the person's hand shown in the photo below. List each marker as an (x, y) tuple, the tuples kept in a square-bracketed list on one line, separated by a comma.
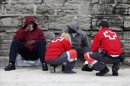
[(29, 28), (30, 42)]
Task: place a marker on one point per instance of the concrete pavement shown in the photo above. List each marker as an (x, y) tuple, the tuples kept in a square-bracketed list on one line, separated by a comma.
[(33, 76)]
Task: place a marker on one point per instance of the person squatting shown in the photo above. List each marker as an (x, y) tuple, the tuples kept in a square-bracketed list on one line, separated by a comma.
[(30, 42)]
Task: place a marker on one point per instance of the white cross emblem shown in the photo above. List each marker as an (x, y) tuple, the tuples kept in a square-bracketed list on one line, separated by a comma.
[(110, 35)]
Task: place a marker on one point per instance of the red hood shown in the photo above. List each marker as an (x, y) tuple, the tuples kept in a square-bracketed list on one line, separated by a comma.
[(29, 19)]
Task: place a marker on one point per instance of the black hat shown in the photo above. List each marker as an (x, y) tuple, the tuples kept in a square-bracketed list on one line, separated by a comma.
[(104, 24)]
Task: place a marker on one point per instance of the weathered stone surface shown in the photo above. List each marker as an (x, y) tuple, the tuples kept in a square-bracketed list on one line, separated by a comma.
[(20, 9), (53, 15), (9, 21)]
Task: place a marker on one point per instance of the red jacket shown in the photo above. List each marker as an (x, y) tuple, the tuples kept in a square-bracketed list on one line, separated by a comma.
[(23, 36), (56, 48), (108, 41)]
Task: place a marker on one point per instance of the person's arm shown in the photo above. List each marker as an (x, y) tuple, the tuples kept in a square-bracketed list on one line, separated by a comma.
[(85, 42), (96, 43), (20, 35), (66, 44), (42, 36)]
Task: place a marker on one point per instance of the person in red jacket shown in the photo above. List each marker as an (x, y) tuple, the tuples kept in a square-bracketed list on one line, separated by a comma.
[(30, 42), (60, 51), (109, 44)]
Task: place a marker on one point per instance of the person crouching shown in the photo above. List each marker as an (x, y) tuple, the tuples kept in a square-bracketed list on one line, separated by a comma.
[(60, 52)]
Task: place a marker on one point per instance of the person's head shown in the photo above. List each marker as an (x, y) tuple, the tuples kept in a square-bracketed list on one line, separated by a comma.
[(30, 23), (71, 30), (73, 27), (66, 36), (103, 24)]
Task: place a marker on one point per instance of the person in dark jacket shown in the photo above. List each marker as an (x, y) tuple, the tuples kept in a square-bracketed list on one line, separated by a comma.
[(30, 42), (79, 40), (111, 51)]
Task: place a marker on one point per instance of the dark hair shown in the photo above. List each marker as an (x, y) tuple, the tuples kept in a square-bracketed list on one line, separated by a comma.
[(34, 25), (103, 24)]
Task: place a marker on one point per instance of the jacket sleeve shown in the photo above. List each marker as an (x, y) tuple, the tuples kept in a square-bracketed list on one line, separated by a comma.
[(85, 42), (67, 45), (20, 35), (42, 36), (96, 43)]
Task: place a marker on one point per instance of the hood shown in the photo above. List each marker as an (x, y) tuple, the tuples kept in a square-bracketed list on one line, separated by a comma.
[(28, 20), (74, 25)]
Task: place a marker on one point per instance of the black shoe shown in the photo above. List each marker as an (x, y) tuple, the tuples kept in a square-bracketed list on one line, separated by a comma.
[(87, 68), (44, 67), (103, 72), (115, 73), (68, 71), (115, 69), (63, 67), (10, 67)]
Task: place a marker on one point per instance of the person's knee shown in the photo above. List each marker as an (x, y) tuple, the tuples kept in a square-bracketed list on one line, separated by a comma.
[(16, 42), (72, 55), (89, 58)]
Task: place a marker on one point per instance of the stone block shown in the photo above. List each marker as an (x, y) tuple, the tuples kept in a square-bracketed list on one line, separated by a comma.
[(4, 47), (49, 35), (20, 9), (4, 52), (127, 23), (9, 21), (25, 2), (83, 8), (44, 10)]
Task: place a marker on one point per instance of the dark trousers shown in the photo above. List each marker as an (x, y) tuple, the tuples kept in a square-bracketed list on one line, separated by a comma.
[(104, 59), (60, 60), (37, 52), (81, 53)]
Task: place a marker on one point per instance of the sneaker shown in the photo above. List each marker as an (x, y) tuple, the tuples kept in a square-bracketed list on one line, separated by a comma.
[(103, 72), (10, 67), (87, 68), (52, 69), (44, 67)]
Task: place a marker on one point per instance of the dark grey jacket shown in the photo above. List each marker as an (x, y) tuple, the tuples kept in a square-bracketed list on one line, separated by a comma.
[(80, 40)]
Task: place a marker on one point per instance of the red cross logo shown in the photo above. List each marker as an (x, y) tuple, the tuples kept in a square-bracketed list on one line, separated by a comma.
[(110, 35)]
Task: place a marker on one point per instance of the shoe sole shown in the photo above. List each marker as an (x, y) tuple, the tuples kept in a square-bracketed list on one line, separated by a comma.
[(9, 70), (104, 73)]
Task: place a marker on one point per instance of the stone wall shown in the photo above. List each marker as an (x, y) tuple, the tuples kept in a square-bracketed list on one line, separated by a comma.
[(53, 15)]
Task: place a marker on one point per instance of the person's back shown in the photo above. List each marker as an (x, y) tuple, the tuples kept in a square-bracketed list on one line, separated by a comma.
[(108, 41)]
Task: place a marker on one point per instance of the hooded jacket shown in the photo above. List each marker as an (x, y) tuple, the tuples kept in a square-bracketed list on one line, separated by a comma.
[(79, 38), (56, 47), (35, 34)]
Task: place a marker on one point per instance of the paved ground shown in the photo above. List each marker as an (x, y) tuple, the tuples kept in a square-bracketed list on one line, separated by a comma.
[(33, 76)]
